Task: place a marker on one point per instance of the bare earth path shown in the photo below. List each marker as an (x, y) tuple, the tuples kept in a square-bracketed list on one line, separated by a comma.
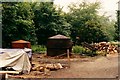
[(98, 67)]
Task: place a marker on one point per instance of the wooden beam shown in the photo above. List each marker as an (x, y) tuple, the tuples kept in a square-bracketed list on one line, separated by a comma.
[(6, 73), (14, 72)]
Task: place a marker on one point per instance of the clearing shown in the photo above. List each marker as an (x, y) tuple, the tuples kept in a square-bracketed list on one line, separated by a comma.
[(80, 67)]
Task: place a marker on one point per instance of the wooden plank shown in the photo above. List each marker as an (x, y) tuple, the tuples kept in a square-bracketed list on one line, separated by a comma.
[(14, 72), (6, 73)]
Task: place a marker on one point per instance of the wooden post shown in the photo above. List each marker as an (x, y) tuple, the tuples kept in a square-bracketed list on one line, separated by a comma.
[(2, 77), (68, 55), (1, 30)]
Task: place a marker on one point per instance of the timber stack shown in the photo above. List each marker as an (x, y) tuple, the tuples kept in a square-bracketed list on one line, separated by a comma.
[(107, 47)]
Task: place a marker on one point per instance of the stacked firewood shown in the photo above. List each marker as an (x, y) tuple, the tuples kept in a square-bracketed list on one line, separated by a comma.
[(106, 46)]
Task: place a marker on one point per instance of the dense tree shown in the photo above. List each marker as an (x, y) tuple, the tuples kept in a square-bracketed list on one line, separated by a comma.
[(48, 21), (117, 27), (87, 24), (107, 27), (17, 22), (38, 21)]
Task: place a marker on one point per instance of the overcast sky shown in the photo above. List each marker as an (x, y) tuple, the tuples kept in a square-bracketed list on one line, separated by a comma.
[(108, 6)]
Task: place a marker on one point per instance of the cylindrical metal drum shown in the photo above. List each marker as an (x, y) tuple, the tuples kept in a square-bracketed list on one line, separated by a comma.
[(58, 44)]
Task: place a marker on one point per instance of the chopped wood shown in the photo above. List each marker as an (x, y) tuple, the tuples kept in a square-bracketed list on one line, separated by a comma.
[(106, 46), (43, 67), (58, 66), (49, 66)]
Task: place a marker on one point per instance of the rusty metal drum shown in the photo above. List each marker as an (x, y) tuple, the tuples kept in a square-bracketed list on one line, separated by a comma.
[(21, 44)]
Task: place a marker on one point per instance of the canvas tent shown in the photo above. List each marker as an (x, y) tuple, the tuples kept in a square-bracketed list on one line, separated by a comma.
[(17, 59)]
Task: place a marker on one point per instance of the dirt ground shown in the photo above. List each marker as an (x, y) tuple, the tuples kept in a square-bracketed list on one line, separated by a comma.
[(80, 67)]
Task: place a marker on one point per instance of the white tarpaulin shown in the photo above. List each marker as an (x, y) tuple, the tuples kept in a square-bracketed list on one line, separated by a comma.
[(15, 58)]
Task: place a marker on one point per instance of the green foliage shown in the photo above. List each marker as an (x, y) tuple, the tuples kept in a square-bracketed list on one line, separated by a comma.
[(17, 23), (88, 25), (78, 49), (116, 36), (117, 44), (117, 25), (39, 49), (89, 52), (48, 21), (102, 53), (107, 27), (83, 51), (36, 22)]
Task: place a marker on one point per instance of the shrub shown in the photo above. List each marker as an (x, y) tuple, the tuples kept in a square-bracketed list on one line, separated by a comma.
[(89, 52), (102, 53), (83, 51), (39, 48), (78, 49), (115, 43)]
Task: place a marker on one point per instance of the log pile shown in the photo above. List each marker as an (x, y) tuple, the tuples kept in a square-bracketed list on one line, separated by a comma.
[(106, 46), (46, 68)]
